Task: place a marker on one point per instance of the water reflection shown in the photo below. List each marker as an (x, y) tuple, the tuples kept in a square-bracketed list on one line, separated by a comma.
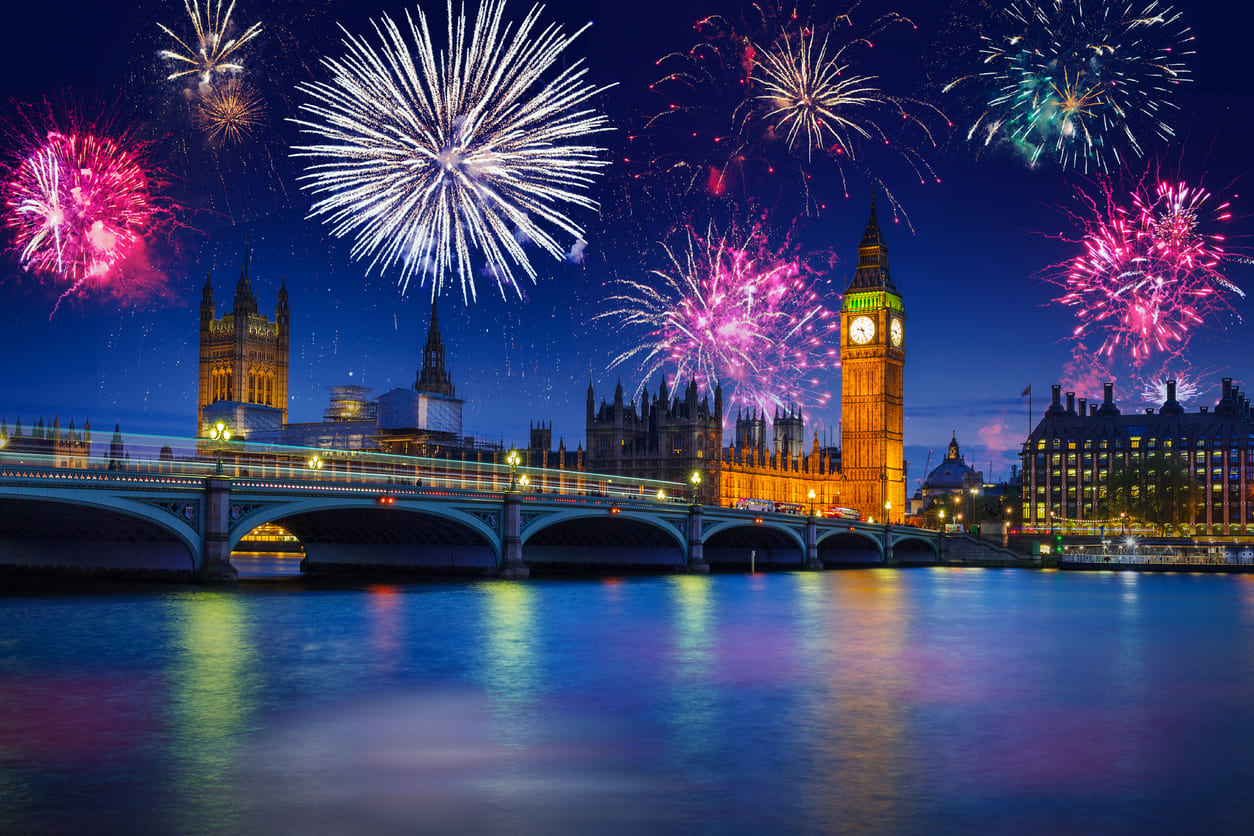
[(691, 710), (511, 647), (859, 739), (212, 699), (384, 610)]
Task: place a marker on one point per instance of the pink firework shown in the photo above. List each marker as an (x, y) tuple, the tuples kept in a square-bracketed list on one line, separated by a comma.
[(1150, 273), (79, 206), (742, 315)]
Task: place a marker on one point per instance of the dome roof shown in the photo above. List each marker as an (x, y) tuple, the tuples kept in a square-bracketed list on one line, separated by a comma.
[(953, 473)]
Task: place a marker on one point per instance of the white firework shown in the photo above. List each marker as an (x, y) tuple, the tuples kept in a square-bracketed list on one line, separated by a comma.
[(211, 51), (425, 156), (807, 92)]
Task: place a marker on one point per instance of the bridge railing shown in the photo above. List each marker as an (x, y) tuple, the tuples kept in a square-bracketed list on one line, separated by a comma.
[(303, 466)]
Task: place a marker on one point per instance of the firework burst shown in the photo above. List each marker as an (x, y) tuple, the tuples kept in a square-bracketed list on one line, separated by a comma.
[(230, 112), (211, 51), (1154, 389), (79, 205), (741, 315), (465, 149), (1150, 273), (750, 104), (1083, 83)]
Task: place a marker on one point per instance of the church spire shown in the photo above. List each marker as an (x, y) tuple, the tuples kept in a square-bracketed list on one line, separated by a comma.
[(872, 272), (245, 299), (432, 377)]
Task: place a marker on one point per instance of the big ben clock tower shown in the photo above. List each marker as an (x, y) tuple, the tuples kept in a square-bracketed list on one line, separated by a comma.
[(872, 355)]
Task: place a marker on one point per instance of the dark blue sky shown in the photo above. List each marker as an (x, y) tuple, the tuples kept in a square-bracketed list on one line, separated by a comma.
[(981, 322)]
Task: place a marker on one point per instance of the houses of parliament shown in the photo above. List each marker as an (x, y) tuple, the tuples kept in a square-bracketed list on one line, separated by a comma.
[(669, 437), (244, 382)]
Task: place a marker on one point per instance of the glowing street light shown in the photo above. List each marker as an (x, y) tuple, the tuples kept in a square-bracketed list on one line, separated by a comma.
[(512, 460), (661, 495), (812, 502), (696, 486), (221, 434), (315, 462)]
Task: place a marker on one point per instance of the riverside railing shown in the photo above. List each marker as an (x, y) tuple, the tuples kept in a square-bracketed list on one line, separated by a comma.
[(201, 457)]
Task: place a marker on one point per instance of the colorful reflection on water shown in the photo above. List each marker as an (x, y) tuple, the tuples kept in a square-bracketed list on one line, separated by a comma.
[(917, 701)]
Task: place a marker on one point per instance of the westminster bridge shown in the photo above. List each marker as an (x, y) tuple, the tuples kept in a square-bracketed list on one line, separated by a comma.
[(149, 512)]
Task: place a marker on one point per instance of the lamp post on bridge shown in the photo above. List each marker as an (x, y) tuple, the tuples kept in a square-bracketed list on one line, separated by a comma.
[(512, 460), (221, 434), (695, 479), (812, 502)]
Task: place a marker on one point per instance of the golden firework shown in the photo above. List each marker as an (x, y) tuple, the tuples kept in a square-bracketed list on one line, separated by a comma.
[(230, 112)]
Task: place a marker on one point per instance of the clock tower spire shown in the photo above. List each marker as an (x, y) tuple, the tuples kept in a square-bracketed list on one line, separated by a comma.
[(872, 353)]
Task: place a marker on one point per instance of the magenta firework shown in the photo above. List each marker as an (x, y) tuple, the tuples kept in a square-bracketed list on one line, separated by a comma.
[(1151, 269), (733, 312), (79, 205)]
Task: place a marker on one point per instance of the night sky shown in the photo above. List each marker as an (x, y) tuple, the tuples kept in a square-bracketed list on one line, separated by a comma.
[(982, 323)]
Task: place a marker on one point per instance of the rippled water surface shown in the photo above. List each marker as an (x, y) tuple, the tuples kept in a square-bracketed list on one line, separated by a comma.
[(912, 701)]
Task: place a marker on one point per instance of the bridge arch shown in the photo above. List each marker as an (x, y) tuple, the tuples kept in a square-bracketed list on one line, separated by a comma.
[(595, 537), (851, 545), (116, 531), (912, 548), (358, 532), (742, 542)]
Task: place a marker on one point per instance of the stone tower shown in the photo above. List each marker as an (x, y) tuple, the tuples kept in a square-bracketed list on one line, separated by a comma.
[(872, 352), (243, 355)]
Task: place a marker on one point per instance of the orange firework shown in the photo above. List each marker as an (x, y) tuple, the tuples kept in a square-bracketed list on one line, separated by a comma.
[(230, 112)]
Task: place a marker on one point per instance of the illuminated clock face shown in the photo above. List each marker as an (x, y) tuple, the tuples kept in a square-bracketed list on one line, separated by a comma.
[(861, 330), (895, 332)]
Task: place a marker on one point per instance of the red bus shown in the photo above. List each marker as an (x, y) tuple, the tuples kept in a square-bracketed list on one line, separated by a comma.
[(842, 513)]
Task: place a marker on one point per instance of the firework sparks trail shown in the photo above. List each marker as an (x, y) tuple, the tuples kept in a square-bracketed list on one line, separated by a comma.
[(1149, 274), (230, 112), (469, 149), (79, 205), (744, 316), (211, 50), (1081, 82), (750, 100)]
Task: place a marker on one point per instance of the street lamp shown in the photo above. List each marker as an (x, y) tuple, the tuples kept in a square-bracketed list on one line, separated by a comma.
[(512, 460), (973, 494), (221, 434), (524, 480), (661, 495), (696, 487), (315, 462), (942, 519), (812, 502), (888, 514)]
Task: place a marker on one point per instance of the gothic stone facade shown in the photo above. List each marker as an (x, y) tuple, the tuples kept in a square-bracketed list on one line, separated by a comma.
[(669, 438), (243, 356)]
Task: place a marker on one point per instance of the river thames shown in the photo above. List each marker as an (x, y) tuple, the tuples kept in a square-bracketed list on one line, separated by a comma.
[(884, 701)]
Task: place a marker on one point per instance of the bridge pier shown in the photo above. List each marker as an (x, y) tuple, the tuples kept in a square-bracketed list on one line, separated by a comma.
[(215, 551), (512, 565), (889, 558), (812, 545), (696, 550)]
